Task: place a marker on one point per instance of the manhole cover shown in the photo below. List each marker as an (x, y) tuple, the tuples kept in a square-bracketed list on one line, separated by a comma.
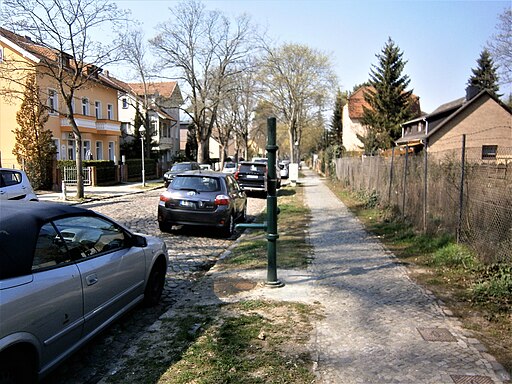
[(229, 286), (465, 379), (436, 334)]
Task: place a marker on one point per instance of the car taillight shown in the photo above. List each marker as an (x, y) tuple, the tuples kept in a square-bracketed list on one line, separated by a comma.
[(165, 197), (236, 175), (222, 200)]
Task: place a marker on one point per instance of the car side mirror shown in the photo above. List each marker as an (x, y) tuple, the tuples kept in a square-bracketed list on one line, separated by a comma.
[(139, 241)]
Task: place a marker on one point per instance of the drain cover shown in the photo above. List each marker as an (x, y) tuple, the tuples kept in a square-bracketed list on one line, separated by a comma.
[(465, 379), (436, 334), (232, 286)]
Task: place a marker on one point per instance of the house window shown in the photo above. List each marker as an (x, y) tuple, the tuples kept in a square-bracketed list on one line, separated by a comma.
[(71, 149), (111, 152), (97, 109), (110, 112), (99, 150), (489, 152), (1, 54), (86, 147), (125, 102), (53, 101), (85, 106), (125, 128), (73, 105)]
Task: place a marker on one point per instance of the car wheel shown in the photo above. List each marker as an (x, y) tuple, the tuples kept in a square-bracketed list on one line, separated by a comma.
[(16, 369), (164, 227), (243, 218), (155, 286), (229, 229)]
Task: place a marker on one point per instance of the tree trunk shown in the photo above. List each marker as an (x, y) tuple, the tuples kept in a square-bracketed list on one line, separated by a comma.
[(79, 163), (203, 151)]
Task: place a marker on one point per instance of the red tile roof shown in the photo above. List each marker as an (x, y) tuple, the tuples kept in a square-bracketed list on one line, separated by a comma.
[(165, 88), (356, 102)]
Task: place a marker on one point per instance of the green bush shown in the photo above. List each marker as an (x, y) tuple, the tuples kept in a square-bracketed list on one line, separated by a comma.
[(454, 255), (494, 285)]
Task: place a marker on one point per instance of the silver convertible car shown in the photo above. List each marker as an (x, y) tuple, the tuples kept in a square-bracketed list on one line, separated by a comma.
[(66, 273)]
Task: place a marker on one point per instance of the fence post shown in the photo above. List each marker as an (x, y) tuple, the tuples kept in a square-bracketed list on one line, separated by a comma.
[(461, 190), (391, 174), (64, 197), (405, 179)]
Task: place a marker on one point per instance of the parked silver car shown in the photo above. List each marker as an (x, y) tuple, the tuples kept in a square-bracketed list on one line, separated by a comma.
[(14, 185), (66, 273)]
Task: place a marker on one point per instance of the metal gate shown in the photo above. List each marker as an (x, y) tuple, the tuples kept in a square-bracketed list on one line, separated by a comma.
[(69, 175)]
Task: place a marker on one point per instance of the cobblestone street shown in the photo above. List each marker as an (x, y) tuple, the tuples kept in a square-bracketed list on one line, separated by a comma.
[(192, 252)]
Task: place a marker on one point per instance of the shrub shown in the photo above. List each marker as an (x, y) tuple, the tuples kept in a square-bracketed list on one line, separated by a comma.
[(454, 255)]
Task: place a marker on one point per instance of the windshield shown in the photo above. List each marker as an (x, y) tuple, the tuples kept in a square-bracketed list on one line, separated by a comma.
[(196, 183), (181, 167)]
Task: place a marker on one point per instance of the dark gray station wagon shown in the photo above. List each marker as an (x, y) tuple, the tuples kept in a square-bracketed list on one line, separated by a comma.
[(203, 198)]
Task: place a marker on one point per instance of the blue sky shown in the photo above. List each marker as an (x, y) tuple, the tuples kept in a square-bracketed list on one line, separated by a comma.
[(441, 40)]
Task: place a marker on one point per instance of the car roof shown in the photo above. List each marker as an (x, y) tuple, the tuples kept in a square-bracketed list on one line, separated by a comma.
[(203, 172), (20, 222), (253, 163)]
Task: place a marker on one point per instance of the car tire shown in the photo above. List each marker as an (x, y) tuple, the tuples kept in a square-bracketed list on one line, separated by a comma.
[(243, 217), (164, 227), (16, 369), (155, 285), (229, 229)]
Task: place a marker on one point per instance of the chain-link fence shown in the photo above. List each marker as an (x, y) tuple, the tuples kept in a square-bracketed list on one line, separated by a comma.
[(441, 193)]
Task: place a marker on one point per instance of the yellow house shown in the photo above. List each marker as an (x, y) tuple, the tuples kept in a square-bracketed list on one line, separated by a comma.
[(95, 106)]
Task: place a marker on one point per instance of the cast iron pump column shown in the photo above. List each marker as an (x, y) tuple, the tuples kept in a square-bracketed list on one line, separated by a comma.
[(271, 224)]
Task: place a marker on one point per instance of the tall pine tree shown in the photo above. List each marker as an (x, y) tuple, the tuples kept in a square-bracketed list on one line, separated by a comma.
[(390, 103), (34, 147), (485, 75), (337, 120)]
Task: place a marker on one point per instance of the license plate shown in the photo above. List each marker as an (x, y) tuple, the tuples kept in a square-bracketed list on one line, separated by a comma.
[(252, 176), (185, 203)]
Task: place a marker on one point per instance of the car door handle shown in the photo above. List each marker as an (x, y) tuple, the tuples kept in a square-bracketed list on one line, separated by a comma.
[(91, 279)]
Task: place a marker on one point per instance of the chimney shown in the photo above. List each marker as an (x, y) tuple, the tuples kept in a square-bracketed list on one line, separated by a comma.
[(472, 91)]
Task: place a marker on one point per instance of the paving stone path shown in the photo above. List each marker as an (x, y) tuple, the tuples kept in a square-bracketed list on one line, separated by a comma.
[(380, 327)]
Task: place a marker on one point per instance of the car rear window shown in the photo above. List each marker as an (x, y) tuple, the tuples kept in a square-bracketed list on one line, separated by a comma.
[(181, 167), (196, 183), (247, 168)]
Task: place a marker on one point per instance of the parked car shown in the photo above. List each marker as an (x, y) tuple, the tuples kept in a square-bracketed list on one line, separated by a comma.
[(229, 167), (66, 273), (203, 198), (252, 176), (284, 169), (178, 168), (14, 185)]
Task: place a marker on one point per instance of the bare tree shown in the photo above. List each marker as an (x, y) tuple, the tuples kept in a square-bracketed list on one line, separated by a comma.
[(227, 119), (203, 47), (135, 49), (500, 46), (248, 91), (298, 81), (60, 34)]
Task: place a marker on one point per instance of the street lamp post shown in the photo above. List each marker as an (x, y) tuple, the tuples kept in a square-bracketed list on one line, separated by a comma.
[(142, 131)]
